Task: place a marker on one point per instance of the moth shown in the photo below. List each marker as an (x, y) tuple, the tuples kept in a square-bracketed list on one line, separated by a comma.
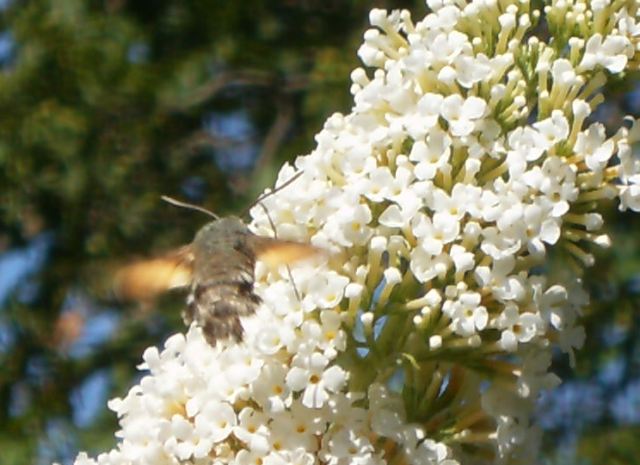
[(218, 269)]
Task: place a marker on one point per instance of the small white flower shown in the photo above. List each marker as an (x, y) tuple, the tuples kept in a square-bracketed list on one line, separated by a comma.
[(332, 336), (249, 457), (345, 446), (297, 428), (564, 75), (612, 53), (461, 114), (471, 70), (215, 421), (467, 315), (554, 129), (526, 145), (252, 430), (518, 328), (591, 144), (270, 389), (309, 374), (379, 184), (432, 155), (426, 266), (326, 291), (435, 233), (426, 115), (447, 46), (463, 260), (240, 366), (350, 225)]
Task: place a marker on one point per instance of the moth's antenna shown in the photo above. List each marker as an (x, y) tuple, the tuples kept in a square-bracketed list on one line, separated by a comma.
[(275, 236), (189, 206), (264, 196)]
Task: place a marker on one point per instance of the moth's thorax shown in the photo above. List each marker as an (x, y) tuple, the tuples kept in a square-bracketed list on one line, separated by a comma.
[(220, 234), (223, 250)]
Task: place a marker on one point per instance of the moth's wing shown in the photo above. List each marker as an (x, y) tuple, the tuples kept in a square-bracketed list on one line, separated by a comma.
[(275, 252), (144, 280)]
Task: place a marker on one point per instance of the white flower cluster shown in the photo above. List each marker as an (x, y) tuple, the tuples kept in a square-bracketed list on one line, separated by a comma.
[(427, 335)]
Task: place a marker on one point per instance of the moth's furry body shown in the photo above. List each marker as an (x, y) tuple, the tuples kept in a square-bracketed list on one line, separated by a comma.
[(218, 268), (222, 289)]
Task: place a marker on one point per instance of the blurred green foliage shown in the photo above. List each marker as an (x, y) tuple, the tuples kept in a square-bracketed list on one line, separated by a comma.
[(104, 106)]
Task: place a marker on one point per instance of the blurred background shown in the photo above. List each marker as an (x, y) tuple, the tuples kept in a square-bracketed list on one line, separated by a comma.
[(106, 105)]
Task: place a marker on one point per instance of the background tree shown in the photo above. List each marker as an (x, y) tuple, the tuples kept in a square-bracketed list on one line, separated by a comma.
[(107, 105)]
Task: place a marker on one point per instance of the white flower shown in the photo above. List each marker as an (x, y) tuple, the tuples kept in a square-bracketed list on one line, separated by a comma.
[(239, 365), (249, 457), (252, 429), (471, 70), (328, 333), (612, 53), (504, 285), (467, 315), (431, 156), (270, 389), (297, 428), (326, 291), (346, 446), (215, 421), (379, 184), (425, 117), (461, 113), (426, 266), (309, 374), (349, 225), (296, 457), (518, 328), (447, 46), (564, 76), (554, 129), (526, 145), (426, 450), (435, 234), (591, 144)]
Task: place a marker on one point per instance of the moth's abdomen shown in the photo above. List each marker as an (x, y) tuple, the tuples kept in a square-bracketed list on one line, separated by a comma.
[(217, 305)]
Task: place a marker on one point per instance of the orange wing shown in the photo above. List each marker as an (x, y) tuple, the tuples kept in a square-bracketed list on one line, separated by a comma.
[(275, 252), (144, 280)]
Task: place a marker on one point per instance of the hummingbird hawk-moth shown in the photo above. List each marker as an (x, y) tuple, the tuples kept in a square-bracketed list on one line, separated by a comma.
[(218, 268)]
